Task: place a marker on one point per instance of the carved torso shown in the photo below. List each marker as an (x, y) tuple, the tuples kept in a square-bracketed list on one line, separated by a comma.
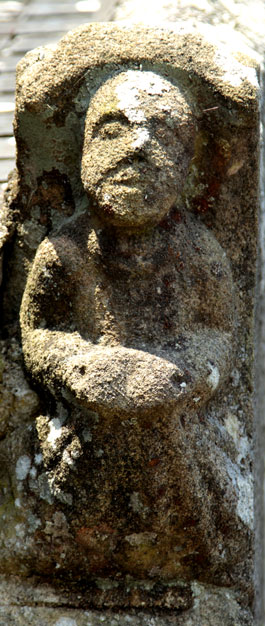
[(141, 292)]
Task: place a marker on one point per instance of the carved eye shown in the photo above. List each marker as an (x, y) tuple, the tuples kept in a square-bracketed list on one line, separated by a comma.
[(164, 134), (109, 130)]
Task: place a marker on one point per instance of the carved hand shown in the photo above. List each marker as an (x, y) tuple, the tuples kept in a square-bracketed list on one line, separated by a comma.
[(122, 378)]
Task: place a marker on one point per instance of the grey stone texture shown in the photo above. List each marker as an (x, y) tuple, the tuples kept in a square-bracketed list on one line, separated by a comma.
[(240, 25), (27, 24), (129, 239), (208, 610)]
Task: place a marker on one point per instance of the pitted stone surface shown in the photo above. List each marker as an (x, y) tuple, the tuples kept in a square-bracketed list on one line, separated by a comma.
[(208, 610), (133, 247)]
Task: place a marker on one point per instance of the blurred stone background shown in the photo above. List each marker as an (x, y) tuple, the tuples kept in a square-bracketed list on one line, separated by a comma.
[(27, 24)]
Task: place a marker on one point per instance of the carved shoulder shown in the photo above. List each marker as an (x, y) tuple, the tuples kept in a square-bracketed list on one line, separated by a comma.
[(51, 284)]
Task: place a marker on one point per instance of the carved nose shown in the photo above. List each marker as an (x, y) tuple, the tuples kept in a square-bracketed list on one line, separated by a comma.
[(142, 139)]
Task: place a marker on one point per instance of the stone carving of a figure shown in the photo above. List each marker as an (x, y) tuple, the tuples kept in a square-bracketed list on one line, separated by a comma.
[(129, 309), (127, 322)]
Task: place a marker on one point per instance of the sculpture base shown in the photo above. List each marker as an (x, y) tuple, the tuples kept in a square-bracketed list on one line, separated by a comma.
[(99, 594), (34, 604)]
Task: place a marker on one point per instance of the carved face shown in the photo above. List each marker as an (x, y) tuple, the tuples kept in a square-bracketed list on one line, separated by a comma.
[(137, 148)]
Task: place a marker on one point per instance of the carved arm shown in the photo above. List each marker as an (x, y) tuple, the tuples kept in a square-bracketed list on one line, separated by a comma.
[(108, 376)]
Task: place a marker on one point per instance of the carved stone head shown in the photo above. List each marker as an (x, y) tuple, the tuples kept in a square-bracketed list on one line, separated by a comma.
[(137, 148)]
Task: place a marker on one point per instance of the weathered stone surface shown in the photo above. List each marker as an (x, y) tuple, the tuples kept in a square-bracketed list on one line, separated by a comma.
[(208, 610), (236, 22), (127, 480)]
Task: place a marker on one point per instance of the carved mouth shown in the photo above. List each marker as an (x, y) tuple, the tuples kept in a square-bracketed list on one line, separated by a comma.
[(127, 182), (127, 176)]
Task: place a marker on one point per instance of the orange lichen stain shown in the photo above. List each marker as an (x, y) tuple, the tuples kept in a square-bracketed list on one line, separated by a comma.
[(83, 537), (202, 205), (88, 537), (177, 217), (154, 462)]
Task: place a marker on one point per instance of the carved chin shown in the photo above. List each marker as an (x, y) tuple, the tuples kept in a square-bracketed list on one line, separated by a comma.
[(130, 207)]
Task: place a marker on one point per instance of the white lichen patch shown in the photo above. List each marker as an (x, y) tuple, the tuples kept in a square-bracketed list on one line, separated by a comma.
[(128, 102), (245, 508), (44, 489), (233, 72), (143, 137), (55, 426), (244, 489), (65, 621), (22, 467), (214, 376), (139, 539), (58, 493), (67, 458), (234, 429), (33, 472), (137, 505), (243, 449), (20, 531), (86, 434), (128, 92), (232, 426), (38, 458), (33, 522), (16, 388), (228, 45), (3, 232)]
